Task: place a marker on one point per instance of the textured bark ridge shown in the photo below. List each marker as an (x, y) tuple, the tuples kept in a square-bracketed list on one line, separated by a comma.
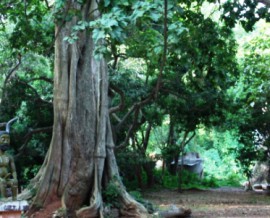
[(81, 160)]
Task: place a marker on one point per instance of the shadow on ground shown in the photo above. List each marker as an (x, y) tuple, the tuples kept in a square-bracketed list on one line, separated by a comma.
[(220, 202)]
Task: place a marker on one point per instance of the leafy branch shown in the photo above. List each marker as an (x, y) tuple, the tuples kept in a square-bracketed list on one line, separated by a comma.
[(153, 95)]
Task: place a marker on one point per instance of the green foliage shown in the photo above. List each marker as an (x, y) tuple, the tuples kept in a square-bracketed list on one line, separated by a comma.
[(246, 12), (218, 148), (199, 72), (233, 180), (32, 25), (131, 84), (28, 95), (200, 68), (29, 173), (136, 194), (111, 194), (148, 205), (210, 181), (251, 97), (169, 152), (168, 180), (130, 166), (191, 181)]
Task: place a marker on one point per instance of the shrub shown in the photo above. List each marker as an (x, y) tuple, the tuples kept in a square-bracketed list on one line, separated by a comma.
[(111, 194)]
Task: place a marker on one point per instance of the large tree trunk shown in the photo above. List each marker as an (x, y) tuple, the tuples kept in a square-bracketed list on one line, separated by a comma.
[(80, 161)]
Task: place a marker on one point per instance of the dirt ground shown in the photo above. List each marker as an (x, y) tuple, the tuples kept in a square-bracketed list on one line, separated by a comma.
[(213, 203), (221, 202)]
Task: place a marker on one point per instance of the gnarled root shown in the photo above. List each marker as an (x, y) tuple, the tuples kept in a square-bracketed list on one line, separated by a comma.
[(130, 211)]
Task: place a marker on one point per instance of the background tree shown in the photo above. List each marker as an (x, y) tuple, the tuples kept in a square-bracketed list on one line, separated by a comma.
[(26, 92), (186, 84), (80, 162), (251, 96), (81, 122)]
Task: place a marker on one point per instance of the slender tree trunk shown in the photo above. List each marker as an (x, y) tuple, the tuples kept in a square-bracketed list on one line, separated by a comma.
[(172, 142), (138, 170), (80, 161), (149, 170), (180, 171)]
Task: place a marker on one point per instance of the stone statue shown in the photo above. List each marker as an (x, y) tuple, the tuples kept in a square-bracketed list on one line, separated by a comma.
[(8, 175)]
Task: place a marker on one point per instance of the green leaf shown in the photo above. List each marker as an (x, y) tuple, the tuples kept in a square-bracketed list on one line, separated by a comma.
[(111, 23), (136, 14), (98, 34), (155, 16), (106, 3)]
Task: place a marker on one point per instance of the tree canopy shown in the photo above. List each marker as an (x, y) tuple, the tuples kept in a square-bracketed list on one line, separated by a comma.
[(88, 79)]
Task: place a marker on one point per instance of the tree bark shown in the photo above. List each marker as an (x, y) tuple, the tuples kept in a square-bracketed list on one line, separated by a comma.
[(81, 160)]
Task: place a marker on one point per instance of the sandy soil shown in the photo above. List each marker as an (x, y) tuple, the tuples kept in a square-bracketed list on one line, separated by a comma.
[(221, 202)]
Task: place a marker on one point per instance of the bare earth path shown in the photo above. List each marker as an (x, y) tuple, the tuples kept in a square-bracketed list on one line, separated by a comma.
[(221, 202)]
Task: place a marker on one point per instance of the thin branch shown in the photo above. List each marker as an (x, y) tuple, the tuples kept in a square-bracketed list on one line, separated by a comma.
[(130, 130), (175, 93), (116, 117), (46, 79), (164, 56), (116, 59), (35, 91), (28, 137), (11, 73), (122, 100), (154, 93), (147, 136), (25, 9), (47, 4), (183, 143), (133, 108), (191, 137), (115, 56), (133, 127)]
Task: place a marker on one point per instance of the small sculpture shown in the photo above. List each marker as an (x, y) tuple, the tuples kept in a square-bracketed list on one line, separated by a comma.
[(8, 175)]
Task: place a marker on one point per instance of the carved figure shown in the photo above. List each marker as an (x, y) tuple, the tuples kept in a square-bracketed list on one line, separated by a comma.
[(8, 175)]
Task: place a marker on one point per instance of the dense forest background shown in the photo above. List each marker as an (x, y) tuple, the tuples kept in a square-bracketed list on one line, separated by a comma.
[(198, 85)]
